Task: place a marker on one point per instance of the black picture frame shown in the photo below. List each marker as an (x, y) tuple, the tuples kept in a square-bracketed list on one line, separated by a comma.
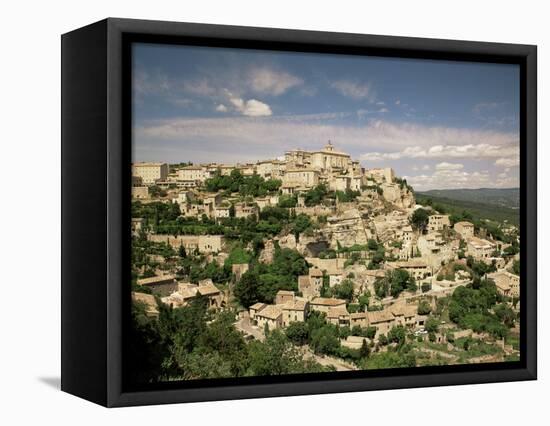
[(96, 118)]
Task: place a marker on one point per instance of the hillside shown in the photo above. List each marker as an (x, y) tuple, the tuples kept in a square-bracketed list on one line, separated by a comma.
[(481, 210), (505, 197)]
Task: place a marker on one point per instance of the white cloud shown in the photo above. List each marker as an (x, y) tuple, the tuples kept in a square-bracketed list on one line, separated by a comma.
[(272, 82), (443, 143), (449, 166), (221, 108), (251, 107), (425, 167), (397, 102), (442, 179), (354, 90), (507, 162)]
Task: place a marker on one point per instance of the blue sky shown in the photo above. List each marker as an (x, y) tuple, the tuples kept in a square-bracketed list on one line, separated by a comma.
[(440, 124)]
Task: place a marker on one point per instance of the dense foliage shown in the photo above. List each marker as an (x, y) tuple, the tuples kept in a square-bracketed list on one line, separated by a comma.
[(255, 185), (191, 343)]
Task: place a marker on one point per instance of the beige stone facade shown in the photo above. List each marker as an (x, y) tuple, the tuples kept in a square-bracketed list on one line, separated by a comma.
[(465, 229), (150, 173)]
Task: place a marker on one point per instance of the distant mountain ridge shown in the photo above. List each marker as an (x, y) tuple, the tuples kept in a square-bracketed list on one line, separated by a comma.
[(501, 197)]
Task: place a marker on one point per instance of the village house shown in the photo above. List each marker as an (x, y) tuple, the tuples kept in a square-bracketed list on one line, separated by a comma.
[(506, 282), (162, 285), (255, 308), (270, 316), (407, 236), (465, 229), (438, 222), (222, 212), (202, 243), (151, 307), (358, 319), (382, 320), (338, 315), (284, 296), (270, 169), (184, 197), (304, 177), (192, 173), (403, 314), (479, 248), (323, 304), (416, 268), (140, 192), (244, 210), (186, 292), (294, 310), (150, 173), (211, 202)]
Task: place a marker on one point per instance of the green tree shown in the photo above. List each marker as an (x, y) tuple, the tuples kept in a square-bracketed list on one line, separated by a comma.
[(431, 325), (419, 219), (364, 351), (297, 332), (424, 307), (247, 289)]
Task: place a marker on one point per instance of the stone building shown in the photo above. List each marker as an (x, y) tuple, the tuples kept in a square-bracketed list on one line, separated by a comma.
[(244, 210), (202, 243), (480, 248), (465, 229), (382, 320), (506, 282), (270, 315), (303, 177), (192, 173), (162, 285), (438, 222), (151, 307), (322, 304), (150, 173), (140, 192), (416, 268)]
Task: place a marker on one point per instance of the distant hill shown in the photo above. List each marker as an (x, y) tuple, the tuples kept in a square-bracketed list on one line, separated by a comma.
[(497, 204), (506, 197)]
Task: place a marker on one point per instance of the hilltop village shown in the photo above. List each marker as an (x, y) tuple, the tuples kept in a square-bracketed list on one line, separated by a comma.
[(332, 264)]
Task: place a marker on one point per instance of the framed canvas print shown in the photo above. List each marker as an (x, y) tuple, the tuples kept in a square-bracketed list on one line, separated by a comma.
[(252, 212)]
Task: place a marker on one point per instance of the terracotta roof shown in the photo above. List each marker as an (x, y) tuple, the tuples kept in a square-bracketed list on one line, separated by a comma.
[(258, 306), (156, 280), (375, 317), (464, 223), (270, 312), (294, 305), (315, 272), (337, 312), (328, 301)]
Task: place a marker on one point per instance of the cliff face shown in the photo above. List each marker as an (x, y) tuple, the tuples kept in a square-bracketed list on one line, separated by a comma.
[(399, 195)]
